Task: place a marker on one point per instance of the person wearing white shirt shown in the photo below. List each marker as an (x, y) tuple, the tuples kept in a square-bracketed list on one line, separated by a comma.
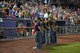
[(46, 15)]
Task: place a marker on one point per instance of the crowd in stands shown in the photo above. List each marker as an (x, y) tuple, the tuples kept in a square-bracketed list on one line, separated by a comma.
[(33, 10), (44, 16)]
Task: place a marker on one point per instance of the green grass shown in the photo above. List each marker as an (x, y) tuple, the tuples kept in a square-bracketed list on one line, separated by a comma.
[(63, 48)]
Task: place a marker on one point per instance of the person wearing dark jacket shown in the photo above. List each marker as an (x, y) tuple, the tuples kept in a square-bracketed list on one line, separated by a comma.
[(52, 31), (37, 35)]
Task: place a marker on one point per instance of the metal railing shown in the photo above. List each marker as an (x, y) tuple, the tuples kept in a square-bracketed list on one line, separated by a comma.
[(9, 28), (68, 30), (17, 32)]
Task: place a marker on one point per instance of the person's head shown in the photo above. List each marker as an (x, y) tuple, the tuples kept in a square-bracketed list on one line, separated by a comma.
[(3, 9), (44, 20), (34, 21), (39, 19)]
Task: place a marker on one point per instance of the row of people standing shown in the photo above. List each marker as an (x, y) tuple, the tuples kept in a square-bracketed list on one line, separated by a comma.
[(45, 32)]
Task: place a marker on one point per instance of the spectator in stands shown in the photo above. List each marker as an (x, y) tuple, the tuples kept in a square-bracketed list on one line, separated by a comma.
[(19, 3), (41, 14), (35, 13), (7, 11), (21, 31), (20, 13), (27, 13), (24, 13), (65, 16), (46, 15), (12, 13), (2, 32), (4, 13), (31, 15)]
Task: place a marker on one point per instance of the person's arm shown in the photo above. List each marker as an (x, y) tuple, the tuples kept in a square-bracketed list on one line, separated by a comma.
[(43, 27), (54, 27), (39, 28), (48, 26)]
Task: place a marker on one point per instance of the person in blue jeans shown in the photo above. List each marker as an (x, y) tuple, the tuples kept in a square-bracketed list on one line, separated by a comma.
[(37, 35), (43, 38), (52, 31), (46, 27)]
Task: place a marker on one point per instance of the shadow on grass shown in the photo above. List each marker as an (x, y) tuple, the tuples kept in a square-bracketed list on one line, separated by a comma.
[(56, 45)]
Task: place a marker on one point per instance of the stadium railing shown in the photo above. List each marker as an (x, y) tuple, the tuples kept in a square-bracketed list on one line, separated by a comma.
[(11, 33), (68, 30), (18, 32)]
